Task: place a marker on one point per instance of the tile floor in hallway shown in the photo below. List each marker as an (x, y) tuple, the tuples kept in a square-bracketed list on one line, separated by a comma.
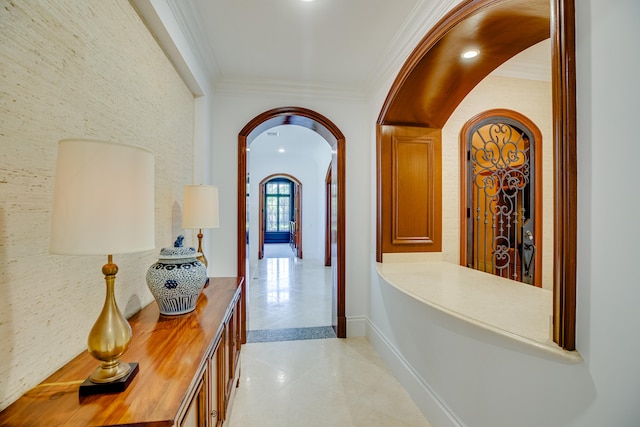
[(289, 293), (310, 382), (319, 383)]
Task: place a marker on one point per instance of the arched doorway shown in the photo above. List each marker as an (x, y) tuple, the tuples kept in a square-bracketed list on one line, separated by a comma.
[(501, 196), (334, 137), (280, 222)]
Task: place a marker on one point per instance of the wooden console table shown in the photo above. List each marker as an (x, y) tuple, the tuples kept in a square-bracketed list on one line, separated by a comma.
[(189, 368)]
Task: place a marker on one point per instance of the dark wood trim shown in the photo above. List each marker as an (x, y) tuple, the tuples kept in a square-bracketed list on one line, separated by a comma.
[(242, 227), (327, 218), (261, 221), (379, 193), (332, 134), (422, 86), (538, 217), (566, 169), (340, 165), (298, 219)]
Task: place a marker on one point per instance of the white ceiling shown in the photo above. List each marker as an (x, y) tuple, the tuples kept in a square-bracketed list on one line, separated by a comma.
[(331, 45), (297, 142), (338, 46), (325, 42)]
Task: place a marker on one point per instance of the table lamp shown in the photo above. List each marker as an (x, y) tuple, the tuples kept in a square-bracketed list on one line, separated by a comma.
[(200, 210), (104, 205)]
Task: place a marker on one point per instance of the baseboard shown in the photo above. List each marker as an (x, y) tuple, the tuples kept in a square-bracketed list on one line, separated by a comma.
[(357, 326), (438, 414)]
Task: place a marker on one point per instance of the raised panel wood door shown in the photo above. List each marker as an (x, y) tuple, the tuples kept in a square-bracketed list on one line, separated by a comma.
[(410, 173)]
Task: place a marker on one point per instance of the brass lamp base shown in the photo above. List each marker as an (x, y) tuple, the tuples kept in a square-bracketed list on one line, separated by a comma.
[(108, 339), (89, 388), (202, 258), (106, 375)]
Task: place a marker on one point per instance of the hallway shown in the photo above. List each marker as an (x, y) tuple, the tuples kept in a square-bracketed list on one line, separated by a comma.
[(288, 293), (303, 380)]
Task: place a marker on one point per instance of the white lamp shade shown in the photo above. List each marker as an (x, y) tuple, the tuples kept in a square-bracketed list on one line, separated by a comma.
[(103, 200), (200, 207)]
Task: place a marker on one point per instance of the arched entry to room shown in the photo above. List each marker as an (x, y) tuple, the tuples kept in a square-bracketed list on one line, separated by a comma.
[(501, 195), (336, 140), (281, 213)]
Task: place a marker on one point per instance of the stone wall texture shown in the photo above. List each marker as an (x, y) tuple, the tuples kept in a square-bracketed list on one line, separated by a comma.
[(72, 68)]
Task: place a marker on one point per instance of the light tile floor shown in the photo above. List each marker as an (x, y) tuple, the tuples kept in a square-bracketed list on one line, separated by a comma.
[(328, 382), (289, 293), (320, 382)]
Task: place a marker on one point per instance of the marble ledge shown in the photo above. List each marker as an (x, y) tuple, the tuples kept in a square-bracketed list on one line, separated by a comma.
[(514, 310)]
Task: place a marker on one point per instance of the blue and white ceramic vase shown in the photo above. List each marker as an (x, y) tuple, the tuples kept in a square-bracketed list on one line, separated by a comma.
[(176, 280)]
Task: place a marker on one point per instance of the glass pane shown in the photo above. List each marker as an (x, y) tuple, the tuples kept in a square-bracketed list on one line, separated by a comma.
[(285, 188), (271, 214), (284, 214), (272, 188)]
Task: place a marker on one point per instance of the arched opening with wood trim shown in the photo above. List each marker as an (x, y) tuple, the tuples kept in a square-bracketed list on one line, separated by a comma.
[(429, 87), (501, 195), (293, 229), (324, 127)]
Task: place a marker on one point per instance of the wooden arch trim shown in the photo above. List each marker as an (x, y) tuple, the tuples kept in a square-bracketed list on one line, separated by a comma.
[(298, 204), (537, 140), (327, 218), (433, 81), (331, 133)]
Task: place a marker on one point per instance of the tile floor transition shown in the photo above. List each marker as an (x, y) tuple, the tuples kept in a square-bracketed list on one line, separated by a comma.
[(307, 379)]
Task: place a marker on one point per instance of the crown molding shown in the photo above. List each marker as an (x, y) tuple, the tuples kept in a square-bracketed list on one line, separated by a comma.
[(288, 89), (189, 22), (422, 18)]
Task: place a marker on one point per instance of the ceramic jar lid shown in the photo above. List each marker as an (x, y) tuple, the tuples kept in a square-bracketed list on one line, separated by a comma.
[(178, 253)]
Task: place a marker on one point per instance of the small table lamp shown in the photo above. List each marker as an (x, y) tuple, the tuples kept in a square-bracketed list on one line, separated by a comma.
[(104, 205), (200, 210)]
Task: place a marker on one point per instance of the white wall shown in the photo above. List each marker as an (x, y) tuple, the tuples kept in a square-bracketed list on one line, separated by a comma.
[(306, 158), (231, 113), (462, 375)]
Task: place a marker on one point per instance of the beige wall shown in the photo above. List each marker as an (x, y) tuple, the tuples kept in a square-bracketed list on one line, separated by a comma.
[(529, 97), (75, 69)]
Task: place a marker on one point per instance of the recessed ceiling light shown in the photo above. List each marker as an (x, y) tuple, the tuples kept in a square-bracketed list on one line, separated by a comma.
[(280, 150), (471, 53)]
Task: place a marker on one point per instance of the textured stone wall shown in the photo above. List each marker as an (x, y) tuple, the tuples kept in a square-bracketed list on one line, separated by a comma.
[(72, 68)]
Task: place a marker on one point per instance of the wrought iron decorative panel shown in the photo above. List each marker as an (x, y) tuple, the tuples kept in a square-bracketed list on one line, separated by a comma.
[(501, 199)]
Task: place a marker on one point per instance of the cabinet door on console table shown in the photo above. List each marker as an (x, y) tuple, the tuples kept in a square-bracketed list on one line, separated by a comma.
[(216, 384), (230, 357), (196, 413)]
